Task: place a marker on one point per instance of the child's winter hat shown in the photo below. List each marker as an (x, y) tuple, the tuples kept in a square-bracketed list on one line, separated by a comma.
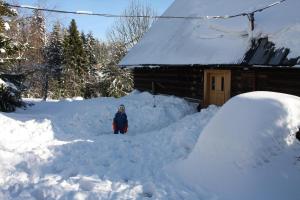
[(122, 108)]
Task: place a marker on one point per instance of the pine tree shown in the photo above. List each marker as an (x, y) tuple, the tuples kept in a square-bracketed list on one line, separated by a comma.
[(91, 62), (101, 53), (91, 50), (83, 39), (18, 32), (54, 62), (85, 50), (10, 85), (119, 81), (7, 47), (75, 71)]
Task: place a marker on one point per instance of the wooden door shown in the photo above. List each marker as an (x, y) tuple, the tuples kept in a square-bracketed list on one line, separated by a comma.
[(216, 86)]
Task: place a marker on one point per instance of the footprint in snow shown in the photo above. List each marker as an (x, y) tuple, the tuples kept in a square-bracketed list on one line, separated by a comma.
[(126, 180), (127, 141), (15, 190), (87, 185), (148, 190), (147, 195)]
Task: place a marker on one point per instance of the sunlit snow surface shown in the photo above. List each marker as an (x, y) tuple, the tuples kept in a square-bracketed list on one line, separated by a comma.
[(248, 150), (66, 149)]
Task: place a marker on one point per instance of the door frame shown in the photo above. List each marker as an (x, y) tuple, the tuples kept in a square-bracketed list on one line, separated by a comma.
[(227, 84)]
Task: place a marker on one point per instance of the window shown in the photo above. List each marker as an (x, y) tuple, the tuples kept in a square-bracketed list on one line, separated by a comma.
[(213, 83)]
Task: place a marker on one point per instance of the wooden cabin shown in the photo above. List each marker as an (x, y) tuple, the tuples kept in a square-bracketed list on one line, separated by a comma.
[(205, 62), (215, 85)]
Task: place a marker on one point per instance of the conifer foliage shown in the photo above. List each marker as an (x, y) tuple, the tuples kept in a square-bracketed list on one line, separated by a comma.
[(54, 58), (10, 94), (63, 63), (7, 46), (119, 81), (75, 68)]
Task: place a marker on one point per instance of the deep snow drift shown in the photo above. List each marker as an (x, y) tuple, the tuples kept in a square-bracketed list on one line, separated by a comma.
[(66, 149), (248, 150)]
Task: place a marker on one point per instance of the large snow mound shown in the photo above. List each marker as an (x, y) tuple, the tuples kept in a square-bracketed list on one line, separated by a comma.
[(215, 41), (248, 150)]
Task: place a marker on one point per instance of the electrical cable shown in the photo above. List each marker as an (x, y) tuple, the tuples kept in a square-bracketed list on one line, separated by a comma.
[(248, 14)]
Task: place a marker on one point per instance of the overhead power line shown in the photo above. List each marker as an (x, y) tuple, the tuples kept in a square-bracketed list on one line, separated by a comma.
[(250, 15)]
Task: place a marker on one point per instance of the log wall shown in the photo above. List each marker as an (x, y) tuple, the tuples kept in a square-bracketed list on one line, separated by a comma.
[(187, 81), (284, 80), (178, 81)]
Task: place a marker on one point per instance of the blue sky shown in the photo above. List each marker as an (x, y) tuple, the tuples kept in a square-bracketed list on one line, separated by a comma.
[(98, 25)]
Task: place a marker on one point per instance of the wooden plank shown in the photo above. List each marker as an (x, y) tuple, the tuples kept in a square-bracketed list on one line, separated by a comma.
[(169, 80), (226, 74)]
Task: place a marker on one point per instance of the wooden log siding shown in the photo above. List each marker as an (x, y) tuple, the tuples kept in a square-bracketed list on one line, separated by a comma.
[(242, 81), (178, 81), (284, 80), (187, 81)]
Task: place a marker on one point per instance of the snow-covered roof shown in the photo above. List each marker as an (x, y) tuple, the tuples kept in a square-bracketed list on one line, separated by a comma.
[(216, 41)]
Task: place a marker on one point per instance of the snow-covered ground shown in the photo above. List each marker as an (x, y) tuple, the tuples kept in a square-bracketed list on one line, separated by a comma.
[(248, 150), (66, 149)]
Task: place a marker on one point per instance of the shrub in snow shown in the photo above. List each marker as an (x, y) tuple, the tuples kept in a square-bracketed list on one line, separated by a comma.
[(10, 96), (119, 82)]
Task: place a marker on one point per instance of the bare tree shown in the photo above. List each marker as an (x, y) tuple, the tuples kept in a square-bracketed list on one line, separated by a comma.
[(129, 30), (124, 34)]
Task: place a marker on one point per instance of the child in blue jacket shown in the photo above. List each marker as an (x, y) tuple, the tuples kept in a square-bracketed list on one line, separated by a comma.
[(120, 122)]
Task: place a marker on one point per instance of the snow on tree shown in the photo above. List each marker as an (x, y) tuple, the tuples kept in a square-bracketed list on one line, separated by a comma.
[(75, 70), (11, 87), (53, 54), (10, 93), (119, 81), (35, 54), (90, 46), (7, 46)]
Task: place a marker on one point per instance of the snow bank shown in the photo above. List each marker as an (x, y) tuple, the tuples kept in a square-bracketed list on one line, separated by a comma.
[(248, 150), (94, 117)]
